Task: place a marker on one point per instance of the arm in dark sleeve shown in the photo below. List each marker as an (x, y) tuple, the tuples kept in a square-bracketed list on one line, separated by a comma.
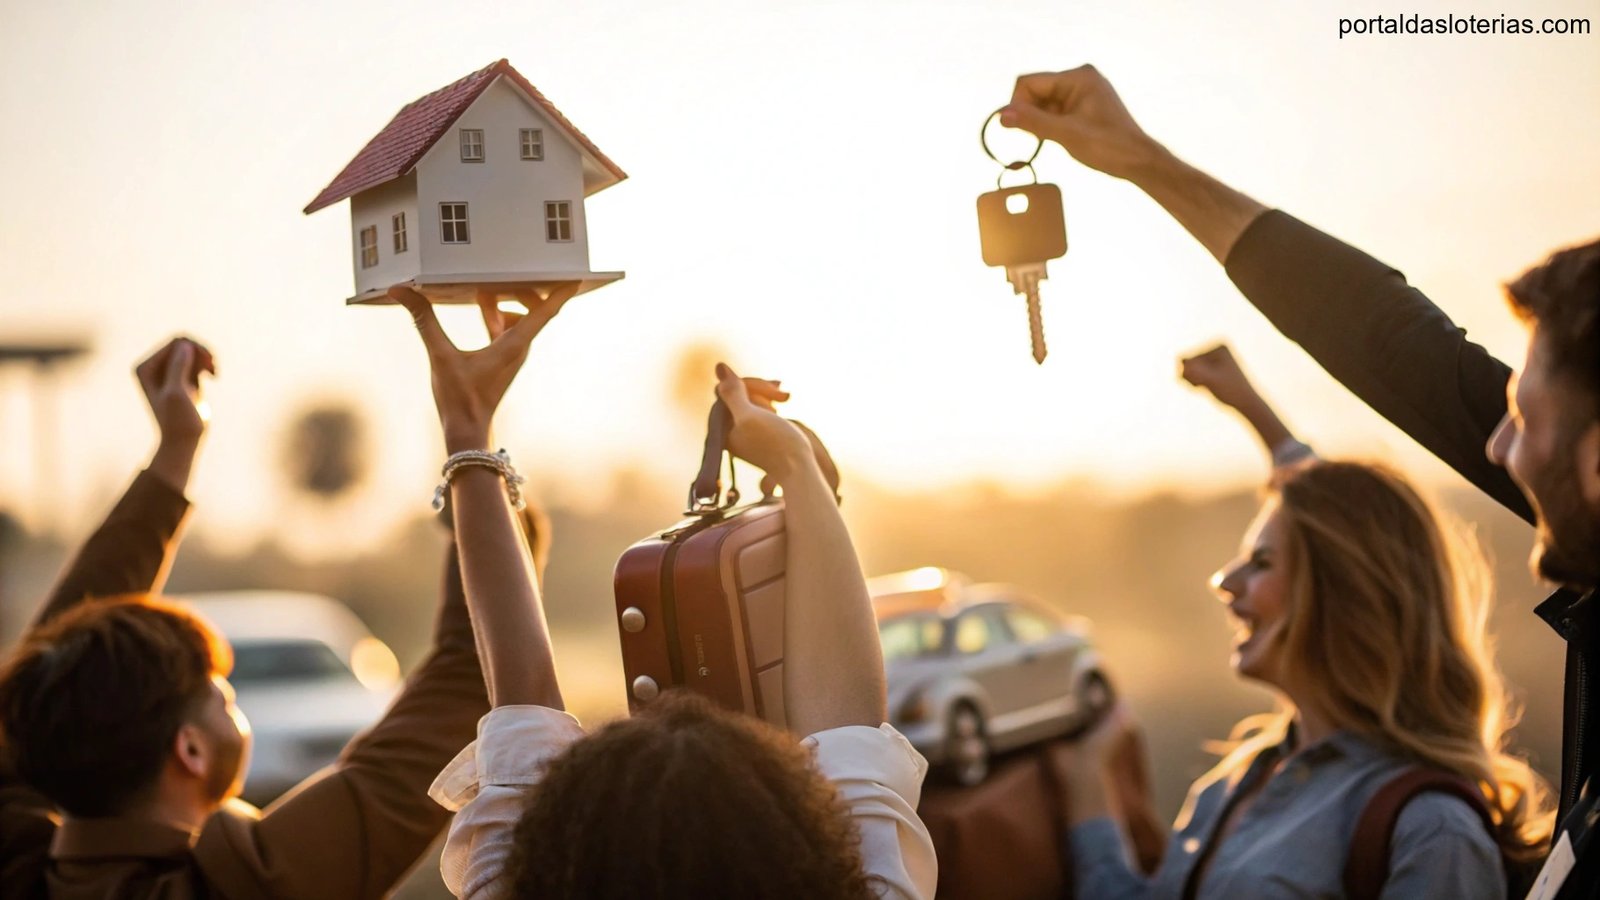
[(1382, 339), (130, 552), (356, 829)]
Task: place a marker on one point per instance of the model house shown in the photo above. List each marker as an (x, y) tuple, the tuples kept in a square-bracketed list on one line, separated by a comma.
[(479, 184)]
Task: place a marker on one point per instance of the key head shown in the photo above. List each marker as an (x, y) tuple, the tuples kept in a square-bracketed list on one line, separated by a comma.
[(1023, 224)]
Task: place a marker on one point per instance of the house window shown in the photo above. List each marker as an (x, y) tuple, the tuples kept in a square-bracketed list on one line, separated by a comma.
[(558, 220), (472, 145), (532, 143), (399, 220), (369, 246), (453, 223)]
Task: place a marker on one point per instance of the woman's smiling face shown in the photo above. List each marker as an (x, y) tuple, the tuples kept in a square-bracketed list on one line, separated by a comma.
[(1255, 586)]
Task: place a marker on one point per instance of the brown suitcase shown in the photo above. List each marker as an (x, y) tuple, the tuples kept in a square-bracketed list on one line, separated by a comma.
[(700, 605)]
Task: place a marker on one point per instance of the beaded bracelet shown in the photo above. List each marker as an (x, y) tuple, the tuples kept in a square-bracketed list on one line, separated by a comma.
[(499, 461)]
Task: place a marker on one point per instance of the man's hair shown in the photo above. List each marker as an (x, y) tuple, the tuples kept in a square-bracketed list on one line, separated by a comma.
[(91, 701), (1561, 297), (686, 800)]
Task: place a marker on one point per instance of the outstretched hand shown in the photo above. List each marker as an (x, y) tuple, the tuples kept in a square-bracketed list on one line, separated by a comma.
[(760, 436), (1080, 110), (468, 385)]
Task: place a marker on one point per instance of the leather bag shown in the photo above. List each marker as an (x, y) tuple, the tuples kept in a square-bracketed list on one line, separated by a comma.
[(700, 605)]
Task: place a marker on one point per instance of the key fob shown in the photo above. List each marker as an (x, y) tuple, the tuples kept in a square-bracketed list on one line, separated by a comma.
[(1022, 224)]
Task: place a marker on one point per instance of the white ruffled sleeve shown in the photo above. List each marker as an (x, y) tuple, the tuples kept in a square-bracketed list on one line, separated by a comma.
[(487, 785), (879, 777)]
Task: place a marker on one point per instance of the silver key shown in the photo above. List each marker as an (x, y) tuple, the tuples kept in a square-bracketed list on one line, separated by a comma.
[(1022, 228), (1025, 280)]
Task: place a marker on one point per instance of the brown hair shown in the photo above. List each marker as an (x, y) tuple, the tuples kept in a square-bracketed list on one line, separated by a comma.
[(1387, 636), (686, 800), (1561, 296), (91, 701)]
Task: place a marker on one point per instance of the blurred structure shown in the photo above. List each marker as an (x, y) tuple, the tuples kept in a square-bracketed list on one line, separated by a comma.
[(324, 452), (43, 358)]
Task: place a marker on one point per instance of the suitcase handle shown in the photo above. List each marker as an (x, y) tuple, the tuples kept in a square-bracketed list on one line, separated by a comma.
[(705, 493)]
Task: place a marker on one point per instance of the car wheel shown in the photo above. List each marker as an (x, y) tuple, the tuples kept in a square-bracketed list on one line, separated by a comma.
[(967, 746), (1095, 699)]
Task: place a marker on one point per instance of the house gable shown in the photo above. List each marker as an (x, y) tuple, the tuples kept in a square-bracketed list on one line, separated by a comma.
[(423, 123), (505, 195)]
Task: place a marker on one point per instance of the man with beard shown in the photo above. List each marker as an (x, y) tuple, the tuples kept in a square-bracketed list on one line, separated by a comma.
[(116, 715), (1392, 347)]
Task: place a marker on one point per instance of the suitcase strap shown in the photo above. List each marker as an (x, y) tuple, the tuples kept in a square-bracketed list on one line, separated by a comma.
[(706, 496)]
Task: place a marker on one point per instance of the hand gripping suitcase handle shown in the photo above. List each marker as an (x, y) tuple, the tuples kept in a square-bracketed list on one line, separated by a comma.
[(705, 494)]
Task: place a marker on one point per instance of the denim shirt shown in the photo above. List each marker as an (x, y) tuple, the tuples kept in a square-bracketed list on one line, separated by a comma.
[(1293, 839)]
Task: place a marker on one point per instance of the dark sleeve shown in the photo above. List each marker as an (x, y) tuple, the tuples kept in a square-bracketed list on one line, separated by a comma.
[(130, 552), (1382, 339), (26, 828), (354, 830)]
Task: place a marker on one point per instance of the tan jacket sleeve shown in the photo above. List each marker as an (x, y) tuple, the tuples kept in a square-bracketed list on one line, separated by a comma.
[(131, 551), (354, 830)]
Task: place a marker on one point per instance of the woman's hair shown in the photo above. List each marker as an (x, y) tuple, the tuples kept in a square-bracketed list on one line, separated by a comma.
[(1386, 635), (685, 799)]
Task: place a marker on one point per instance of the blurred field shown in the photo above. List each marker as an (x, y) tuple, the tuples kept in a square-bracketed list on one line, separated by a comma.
[(1137, 567)]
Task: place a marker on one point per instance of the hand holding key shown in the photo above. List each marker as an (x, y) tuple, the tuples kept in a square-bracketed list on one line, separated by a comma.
[(1080, 110)]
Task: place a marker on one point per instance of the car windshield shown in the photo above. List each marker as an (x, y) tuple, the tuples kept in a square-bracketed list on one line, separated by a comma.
[(908, 637), (264, 662)]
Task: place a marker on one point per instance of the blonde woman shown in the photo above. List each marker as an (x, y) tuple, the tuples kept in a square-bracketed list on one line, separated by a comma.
[(1355, 606)]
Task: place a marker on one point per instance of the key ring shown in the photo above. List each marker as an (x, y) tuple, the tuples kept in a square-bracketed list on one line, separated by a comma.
[(983, 139), (1014, 167)]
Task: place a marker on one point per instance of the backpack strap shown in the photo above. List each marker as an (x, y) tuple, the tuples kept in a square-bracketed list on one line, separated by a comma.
[(1367, 866)]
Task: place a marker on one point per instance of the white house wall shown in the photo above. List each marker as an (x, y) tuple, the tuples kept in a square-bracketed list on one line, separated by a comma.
[(505, 194), (378, 207)]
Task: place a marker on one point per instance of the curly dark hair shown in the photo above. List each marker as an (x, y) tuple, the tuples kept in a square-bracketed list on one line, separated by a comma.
[(686, 799)]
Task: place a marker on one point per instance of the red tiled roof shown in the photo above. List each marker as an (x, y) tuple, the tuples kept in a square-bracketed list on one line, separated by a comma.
[(402, 143)]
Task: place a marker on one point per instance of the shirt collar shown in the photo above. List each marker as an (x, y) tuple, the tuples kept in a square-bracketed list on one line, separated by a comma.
[(1341, 744), (1567, 610), (118, 837)]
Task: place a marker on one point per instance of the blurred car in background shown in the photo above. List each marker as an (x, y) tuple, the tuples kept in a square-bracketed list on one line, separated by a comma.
[(979, 669), (309, 677)]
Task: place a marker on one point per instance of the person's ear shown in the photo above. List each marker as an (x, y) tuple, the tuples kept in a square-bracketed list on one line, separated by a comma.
[(191, 750), (1588, 462)]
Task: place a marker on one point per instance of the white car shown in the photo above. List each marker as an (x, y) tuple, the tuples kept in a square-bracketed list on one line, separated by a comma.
[(978, 669), (309, 676)]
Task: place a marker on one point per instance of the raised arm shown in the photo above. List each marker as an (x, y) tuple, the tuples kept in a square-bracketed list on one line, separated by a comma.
[(1357, 317), (376, 800), (833, 663), (1219, 374), (132, 550), (497, 569)]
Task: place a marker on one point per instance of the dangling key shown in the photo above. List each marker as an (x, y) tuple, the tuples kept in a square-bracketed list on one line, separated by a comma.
[(1022, 228)]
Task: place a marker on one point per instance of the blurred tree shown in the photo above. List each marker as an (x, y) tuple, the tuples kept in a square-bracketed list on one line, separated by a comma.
[(324, 451), (693, 381)]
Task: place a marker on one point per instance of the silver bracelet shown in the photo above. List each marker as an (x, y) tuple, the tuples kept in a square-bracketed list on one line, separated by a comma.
[(1291, 452), (499, 461)]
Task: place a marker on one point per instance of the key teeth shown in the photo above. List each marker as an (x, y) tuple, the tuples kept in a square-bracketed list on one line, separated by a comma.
[(1036, 329)]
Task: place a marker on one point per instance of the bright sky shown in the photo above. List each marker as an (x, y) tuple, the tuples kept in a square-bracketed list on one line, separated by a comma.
[(803, 180)]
